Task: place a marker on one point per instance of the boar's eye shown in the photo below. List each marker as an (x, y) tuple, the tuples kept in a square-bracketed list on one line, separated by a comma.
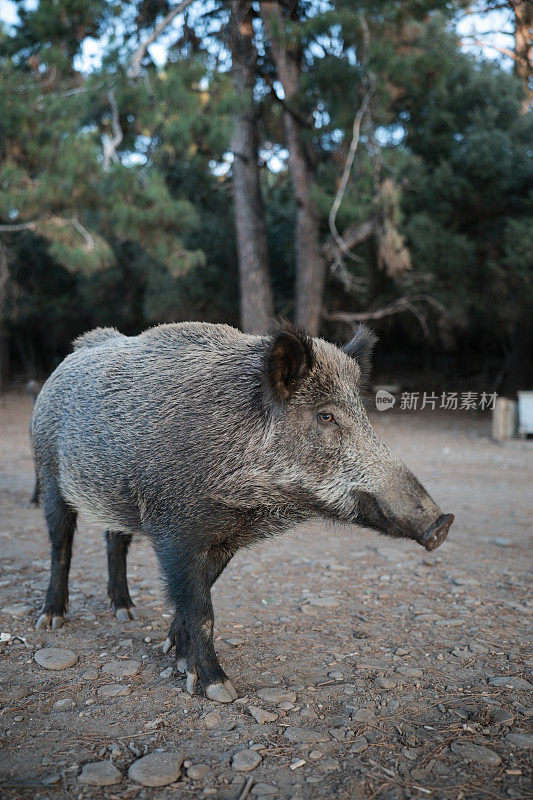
[(325, 417)]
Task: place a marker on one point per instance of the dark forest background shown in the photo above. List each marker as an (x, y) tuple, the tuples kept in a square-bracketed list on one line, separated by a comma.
[(332, 162)]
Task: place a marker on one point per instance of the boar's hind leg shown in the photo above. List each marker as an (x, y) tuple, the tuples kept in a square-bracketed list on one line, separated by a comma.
[(189, 588), (61, 522), (117, 585)]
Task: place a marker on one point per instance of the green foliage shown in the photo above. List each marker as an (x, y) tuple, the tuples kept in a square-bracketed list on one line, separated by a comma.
[(148, 236)]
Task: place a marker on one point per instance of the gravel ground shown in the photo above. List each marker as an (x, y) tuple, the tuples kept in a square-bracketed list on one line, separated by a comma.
[(366, 667)]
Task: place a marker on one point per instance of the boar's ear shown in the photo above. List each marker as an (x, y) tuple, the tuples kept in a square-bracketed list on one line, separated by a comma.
[(289, 360), (360, 348)]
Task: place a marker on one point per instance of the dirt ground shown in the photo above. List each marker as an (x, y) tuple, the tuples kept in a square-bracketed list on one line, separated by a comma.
[(401, 674)]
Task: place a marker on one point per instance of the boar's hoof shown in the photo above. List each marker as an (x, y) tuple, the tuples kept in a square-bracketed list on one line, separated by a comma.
[(231, 689), (168, 644), (221, 692), (438, 533), (181, 665), (46, 620), (125, 614), (192, 677)]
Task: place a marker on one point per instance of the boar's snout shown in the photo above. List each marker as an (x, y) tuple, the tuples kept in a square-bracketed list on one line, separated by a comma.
[(403, 508), (438, 532)]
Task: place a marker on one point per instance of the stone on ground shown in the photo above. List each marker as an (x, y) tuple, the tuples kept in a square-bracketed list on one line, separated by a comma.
[(246, 760), (157, 769), (524, 741), (125, 668), (476, 752), (261, 716), (265, 789), (55, 658), (212, 719), (110, 690), (64, 704), (305, 735), (198, 771), (277, 695), (100, 773), (17, 610)]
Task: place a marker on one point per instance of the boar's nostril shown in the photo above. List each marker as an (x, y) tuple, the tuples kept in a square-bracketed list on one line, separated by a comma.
[(438, 532)]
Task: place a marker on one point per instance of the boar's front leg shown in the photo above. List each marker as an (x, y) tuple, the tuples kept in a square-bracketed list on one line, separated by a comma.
[(218, 559), (189, 579)]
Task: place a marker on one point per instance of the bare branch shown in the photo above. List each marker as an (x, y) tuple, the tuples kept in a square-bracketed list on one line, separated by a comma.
[(407, 303), (18, 226), (85, 233), (503, 50), (60, 222), (109, 143), (134, 69), (356, 127), (353, 235)]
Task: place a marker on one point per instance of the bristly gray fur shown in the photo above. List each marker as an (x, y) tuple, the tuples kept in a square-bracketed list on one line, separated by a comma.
[(206, 439), (96, 337)]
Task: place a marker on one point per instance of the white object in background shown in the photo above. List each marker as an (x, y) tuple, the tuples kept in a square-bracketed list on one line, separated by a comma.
[(525, 413), (504, 419)]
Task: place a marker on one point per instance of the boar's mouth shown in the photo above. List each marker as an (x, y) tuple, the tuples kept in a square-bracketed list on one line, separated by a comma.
[(370, 515)]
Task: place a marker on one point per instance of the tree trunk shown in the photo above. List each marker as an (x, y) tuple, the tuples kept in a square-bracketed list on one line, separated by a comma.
[(523, 66), (4, 350), (256, 301), (310, 262)]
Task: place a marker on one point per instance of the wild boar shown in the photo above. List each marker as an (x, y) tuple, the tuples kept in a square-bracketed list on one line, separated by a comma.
[(206, 440)]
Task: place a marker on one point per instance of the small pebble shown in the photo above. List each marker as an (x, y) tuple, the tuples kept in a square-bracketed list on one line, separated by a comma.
[(110, 690), (64, 704), (286, 706), (305, 735), (125, 668), (50, 780), (476, 752), (100, 773), (212, 719), (359, 744), (166, 673), (246, 760), (17, 610), (157, 769), (264, 789), (198, 771), (261, 716), (524, 741), (341, 734), (509, 682), (324, 602), (277, 695), (90, 675), (499, 716), (410, 672), (314, 755), (385, 683), (55, 658)]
